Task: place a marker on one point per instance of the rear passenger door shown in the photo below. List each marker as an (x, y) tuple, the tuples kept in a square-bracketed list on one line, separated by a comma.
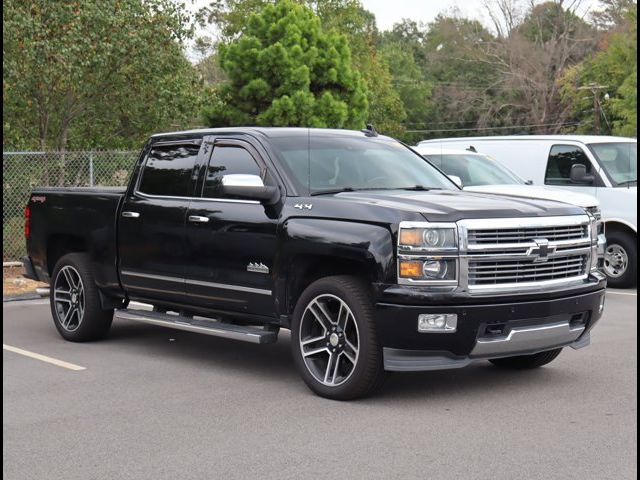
[(151, 227), (231, 242)]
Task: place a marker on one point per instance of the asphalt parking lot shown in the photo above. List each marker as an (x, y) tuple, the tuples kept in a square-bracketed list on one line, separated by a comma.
[(164, 404)]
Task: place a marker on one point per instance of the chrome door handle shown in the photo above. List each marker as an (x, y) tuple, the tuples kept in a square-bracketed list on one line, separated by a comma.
[(130, 214), (197, 219)]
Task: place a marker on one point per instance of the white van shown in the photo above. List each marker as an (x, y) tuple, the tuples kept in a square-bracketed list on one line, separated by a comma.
[(602, 166)]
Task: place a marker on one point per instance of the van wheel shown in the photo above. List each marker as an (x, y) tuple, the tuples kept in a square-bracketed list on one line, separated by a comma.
[(333, 339), (524, 362), (75, 302), (621, 260)]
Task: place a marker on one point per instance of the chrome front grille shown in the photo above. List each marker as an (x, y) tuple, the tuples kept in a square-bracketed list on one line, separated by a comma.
[(524, 271), (512, 255), (525, 235)]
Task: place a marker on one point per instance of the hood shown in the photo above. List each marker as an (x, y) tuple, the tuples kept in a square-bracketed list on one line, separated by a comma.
[(535, 191), (451, 206)]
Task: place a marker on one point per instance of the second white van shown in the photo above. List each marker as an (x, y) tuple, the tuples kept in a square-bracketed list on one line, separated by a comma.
[(603, 166)]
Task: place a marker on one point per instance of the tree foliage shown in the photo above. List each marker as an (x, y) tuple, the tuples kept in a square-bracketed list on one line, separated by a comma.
[(285, 70), (94, 73), (386, 110), (614, 71)]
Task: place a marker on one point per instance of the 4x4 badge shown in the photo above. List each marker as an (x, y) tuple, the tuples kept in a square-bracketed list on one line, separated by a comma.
[(303, 206), (257, 268)]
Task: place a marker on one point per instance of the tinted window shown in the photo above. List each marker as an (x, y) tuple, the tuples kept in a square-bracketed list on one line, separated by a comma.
[(226, 161), (561, 158), (168, 171)]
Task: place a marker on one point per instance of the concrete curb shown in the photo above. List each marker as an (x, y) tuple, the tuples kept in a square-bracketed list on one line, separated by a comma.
[(37, 295)]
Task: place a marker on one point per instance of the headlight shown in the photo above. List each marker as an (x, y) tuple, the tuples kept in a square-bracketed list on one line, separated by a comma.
[(427, 238), (428, 253), (596, 231)]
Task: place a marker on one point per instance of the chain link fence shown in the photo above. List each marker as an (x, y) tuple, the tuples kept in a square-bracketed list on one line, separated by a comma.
[(22, 171)]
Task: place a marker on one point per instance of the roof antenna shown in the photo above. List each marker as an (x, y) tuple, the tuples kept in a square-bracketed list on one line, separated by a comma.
[(370, 131), (472, 149)]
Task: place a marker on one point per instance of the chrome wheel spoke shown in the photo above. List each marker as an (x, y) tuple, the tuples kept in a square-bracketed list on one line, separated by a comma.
[(343, 317), (315, 351), (350, 351), (332, 368), (67, 316)]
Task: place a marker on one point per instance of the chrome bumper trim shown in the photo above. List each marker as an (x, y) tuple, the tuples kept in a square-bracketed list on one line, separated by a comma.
[(528, 339)]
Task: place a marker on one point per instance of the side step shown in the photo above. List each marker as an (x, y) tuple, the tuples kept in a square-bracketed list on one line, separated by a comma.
[(199, 325)]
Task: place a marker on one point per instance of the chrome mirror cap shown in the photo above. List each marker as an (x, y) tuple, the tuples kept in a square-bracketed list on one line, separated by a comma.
[(242, 180)]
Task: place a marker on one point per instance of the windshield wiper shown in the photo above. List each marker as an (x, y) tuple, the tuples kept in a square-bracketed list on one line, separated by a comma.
[(349, 189), (420, 188), (332, 191), (627, 182)]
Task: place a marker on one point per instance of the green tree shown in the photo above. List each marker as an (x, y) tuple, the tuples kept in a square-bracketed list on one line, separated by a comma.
[(347, 17), (614, 68), (399, 49), (284, 70), (94, 73)]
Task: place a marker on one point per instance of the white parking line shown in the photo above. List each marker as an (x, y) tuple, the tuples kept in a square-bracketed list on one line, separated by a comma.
[(43, 358), (618, 292)]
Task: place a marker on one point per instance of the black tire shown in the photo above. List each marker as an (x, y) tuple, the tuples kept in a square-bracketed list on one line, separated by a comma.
[(368, 372), (91, 321), (627, 243), (525, 362)]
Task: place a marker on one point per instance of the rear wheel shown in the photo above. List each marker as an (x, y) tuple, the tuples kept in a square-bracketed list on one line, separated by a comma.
[(333, 339), (524, 362), (621, 260), (75, 301)]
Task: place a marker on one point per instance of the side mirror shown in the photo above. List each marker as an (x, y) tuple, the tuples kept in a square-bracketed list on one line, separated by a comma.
[(249, 187), (456, 179), (579, 174)]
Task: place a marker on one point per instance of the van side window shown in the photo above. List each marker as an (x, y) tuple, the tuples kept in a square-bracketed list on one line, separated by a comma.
[(226, 160), (168, 171), (561, 158)]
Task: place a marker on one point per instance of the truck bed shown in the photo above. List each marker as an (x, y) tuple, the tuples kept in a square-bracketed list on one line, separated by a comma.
[(64, 216)]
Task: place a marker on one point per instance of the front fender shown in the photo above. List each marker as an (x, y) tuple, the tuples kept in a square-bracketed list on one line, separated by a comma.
[(368, 245)]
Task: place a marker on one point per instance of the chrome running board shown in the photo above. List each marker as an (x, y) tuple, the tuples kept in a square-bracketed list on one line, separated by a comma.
[(200, 325)]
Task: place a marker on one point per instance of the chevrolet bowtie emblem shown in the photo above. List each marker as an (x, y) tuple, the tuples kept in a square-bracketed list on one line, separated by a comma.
[(541, 251)]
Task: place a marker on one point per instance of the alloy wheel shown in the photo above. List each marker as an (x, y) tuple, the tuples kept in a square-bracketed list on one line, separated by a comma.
[(329, 340), (68, 298)]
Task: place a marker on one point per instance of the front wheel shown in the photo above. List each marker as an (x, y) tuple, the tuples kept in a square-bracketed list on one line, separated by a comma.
[(333, 339), (621, 260), (75, 301), (524, 362)]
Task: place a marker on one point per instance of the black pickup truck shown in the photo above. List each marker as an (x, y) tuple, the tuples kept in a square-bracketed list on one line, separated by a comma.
[(369, 255)]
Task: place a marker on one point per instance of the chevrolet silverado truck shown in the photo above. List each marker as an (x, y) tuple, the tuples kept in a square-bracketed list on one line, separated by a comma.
[(371, 257)]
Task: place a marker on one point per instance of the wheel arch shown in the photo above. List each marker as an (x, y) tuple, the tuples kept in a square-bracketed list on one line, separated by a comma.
[(317, 248), (620, 226)]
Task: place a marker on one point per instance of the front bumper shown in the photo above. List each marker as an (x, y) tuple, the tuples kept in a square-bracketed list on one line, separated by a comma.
[(485, 330)]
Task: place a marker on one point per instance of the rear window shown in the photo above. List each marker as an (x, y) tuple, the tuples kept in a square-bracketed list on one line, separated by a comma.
[(168, 171)]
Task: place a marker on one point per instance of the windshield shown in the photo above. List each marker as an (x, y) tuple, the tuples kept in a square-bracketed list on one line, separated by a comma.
[(328, 163), (619, 160), (474, 170)]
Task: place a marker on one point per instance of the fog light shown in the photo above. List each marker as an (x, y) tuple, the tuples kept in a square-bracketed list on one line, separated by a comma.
[(437, 322)]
